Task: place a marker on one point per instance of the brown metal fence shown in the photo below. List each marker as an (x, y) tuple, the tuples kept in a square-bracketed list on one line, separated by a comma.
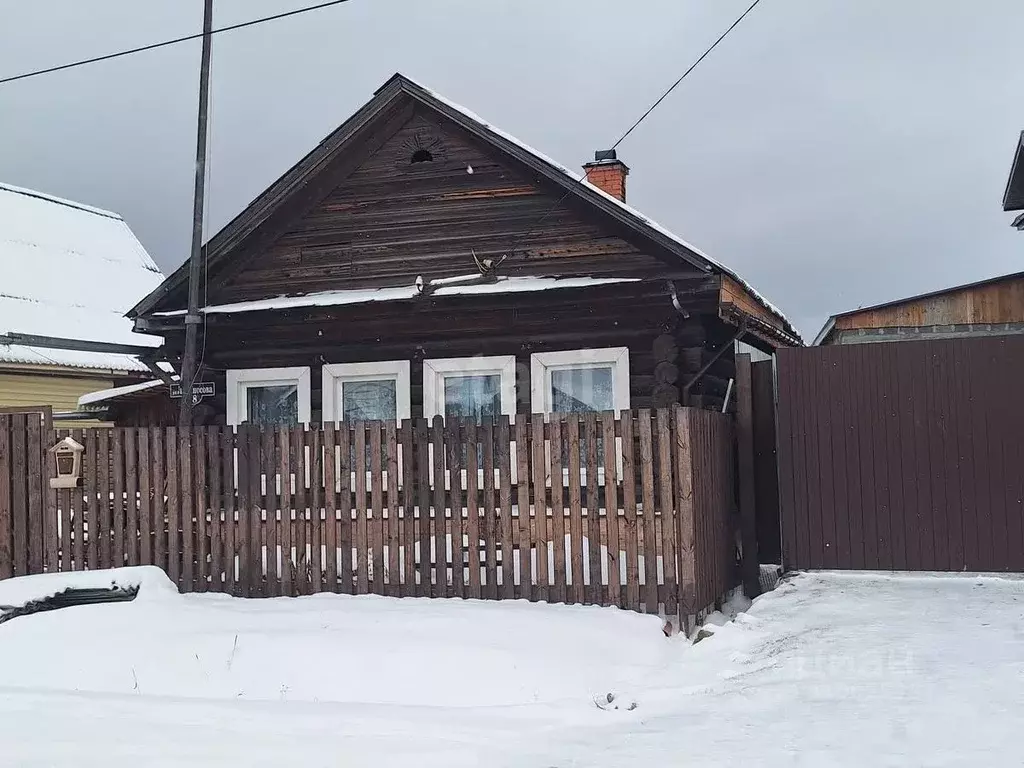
[(633, 512), (903, 456)]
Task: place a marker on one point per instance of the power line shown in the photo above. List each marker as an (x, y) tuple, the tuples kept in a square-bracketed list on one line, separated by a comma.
[(688, 71), (166, 43), (551, 209)]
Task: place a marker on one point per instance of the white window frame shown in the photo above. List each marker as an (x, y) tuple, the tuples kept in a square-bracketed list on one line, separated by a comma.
[(435, 371), (240, 380), (335, 373), (543, 363)]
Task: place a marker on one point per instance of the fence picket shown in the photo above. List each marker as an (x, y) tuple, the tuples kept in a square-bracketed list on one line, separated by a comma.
[(454, 446), (345, 531), (6, 502), (301, 538), (611, 507), (216, 529), (34, 481), (423, 468), (145, 514), (525, 582), (405, 434), (330, 524), (394, 572), (558, 588), (362, 532), (270, 471), (505, 503), (120, 532), (576, 593), (440, 555), (541, 533), (595, 591), (316, 484), (473, 585), (488, 523), (66, 494)]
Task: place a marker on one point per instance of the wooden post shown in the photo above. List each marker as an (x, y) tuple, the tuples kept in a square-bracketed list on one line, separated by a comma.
[(749, 564)]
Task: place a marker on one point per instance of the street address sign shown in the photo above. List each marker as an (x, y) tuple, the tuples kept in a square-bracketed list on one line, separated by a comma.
[(200, 389)]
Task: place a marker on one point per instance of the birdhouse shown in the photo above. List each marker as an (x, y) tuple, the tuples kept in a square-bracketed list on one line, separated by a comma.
[(68, 455)]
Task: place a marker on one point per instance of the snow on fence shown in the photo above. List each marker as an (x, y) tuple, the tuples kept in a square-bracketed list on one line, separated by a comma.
[(433, 509)]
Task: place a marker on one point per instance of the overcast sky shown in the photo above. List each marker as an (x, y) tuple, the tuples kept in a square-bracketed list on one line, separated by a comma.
[(836, 153)]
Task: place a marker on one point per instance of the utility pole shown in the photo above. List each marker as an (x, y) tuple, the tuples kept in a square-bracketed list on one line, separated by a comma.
[(192, 317)]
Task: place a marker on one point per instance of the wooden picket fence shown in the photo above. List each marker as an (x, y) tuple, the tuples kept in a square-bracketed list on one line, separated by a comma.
[(634, 511)]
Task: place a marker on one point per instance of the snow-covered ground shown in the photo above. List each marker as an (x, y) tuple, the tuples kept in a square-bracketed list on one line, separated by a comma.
[(828, 670)]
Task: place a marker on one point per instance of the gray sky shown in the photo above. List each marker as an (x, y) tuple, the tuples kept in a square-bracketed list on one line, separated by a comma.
[(836, 153)]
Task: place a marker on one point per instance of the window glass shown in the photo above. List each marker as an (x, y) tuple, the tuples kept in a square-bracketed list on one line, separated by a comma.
[(476, 395), (581, 389), (274, 404), (369, 400)]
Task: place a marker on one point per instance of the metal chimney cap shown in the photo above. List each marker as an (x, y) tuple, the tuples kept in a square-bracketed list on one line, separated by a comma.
[(603, 155)]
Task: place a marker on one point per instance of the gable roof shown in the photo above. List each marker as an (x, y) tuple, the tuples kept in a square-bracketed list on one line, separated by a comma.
[(574, 184), (1013, 197), (826, 329), (70, 270)]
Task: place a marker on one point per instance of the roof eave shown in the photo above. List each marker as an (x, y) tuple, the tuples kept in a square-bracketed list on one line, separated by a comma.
[(1013, 196), (825, 332)]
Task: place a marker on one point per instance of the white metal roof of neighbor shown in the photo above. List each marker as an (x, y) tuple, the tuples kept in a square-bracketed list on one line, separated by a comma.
[(72, 271)]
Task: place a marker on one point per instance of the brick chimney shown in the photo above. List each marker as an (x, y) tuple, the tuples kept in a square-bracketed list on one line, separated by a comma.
[(608, 173)]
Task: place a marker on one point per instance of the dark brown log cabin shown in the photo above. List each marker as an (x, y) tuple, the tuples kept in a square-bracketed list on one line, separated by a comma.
[(355, 256)]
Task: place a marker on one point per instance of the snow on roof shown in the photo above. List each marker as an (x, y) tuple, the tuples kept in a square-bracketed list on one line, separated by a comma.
[(92, 398), (449, 286), (581, 178), (70, 270)]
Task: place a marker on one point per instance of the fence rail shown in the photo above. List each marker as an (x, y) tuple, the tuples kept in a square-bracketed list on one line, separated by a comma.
[(631, 511)]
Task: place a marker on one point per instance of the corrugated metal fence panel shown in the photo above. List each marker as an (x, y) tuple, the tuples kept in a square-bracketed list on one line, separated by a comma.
[(903, 456)]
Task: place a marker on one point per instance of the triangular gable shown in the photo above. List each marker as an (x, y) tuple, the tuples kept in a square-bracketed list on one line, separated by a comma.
[(393, 105)]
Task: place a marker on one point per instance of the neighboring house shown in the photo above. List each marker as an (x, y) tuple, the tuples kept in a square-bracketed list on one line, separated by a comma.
[(69, 273), (988, 308), (420, 261), (1013, 197)]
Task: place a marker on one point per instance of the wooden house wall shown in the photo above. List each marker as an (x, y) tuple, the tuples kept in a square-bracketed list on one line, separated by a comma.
[(1000, 302), (391, 220), (665, 347)]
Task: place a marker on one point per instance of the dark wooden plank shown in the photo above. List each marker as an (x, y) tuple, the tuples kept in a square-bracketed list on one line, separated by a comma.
[(750, 563), (489, 524), (555, 452), (141, 437), (244, 466), (230, 532), (376, 523), (685, 512), (287, 524), (105, 525), (299, 498), (541, 527), (51, 502), (91, 510), (421, 431), (473, 587), (215, 437), (588, 442), (630, 531), (611, 506), (173, 537), (647, 488), (504, 450), (440, 557), (270, 468), (187, 446), (576, 593), (6, 509), (159, 520), (204, 456), (407, 495), (393, 512), (34, 485), (346, 575), (454, 447), (316, 488), (362, 537), (524, 528), (666, 497), (120, 501), (330, 525), (133, 468)]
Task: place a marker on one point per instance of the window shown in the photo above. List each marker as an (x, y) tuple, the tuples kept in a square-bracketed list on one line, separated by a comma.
[(268, 396), (580, 380), (366, 391), (481, 387)]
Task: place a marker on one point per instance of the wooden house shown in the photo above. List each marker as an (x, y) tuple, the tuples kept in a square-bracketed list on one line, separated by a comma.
[(419, 261), (70, 272), (993, 307)]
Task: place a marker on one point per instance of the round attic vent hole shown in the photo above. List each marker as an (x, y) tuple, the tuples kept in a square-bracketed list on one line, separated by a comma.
[(422, 156)]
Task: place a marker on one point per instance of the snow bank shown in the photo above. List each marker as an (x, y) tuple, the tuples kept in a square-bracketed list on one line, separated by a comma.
[(153, 584)]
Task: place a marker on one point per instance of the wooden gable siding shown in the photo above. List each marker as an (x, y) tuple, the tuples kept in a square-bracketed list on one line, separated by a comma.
[(998, 302), (392, 220), (665, 348)]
